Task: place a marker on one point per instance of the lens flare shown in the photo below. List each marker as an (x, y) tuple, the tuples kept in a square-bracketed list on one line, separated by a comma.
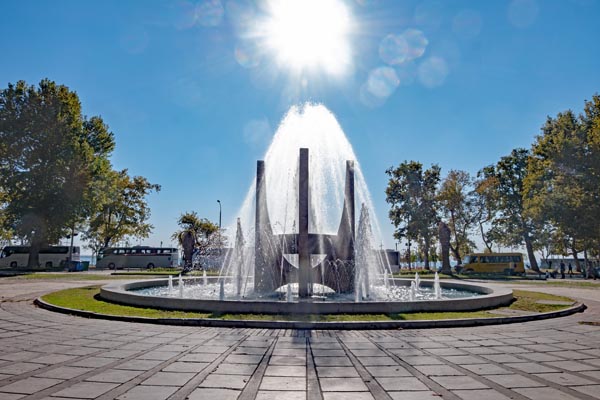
[(309, 34)]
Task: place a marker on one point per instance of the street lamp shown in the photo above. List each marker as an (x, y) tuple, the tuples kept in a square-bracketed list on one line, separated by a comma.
[(219, 201)]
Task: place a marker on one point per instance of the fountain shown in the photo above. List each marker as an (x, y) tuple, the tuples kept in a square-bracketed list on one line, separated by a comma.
[(297, 246)]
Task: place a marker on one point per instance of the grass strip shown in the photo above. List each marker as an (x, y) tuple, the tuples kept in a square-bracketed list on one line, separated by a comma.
[(86, 299)]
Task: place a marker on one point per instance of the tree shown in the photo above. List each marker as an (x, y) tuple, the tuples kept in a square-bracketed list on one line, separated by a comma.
[(511, 226), (563, 183), (50, 155), (197, 235), (120, 210), (485, 204), (456, 201), (411, 193)]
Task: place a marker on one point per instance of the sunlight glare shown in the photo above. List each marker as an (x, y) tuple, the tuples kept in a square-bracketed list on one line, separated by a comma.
[(309, 34)]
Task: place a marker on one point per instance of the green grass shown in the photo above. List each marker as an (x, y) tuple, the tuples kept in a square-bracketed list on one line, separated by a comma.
[(561, 283), (72, 276), (163, 272), (86, 299)]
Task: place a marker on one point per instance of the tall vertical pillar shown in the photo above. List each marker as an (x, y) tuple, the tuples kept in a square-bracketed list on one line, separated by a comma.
[(304, 281), (261, 232)]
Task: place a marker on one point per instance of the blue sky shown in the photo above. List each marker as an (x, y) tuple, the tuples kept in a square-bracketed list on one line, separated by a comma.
[(190, 115)]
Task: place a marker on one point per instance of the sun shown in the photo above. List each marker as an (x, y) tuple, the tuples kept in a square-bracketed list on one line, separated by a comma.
[(309, 34)]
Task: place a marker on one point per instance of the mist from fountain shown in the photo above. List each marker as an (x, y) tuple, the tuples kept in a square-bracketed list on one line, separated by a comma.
[(310, 126)]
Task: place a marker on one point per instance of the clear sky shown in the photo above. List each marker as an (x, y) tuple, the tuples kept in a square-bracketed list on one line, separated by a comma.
[(193, 91)]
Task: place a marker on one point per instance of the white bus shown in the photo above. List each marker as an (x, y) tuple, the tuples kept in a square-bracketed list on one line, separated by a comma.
[(53, 256), (137, 257)]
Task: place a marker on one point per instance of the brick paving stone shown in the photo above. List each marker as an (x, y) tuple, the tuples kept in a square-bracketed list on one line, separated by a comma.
[(545, 393), (225, 381), (342, 385), (30, 385), (479, 394), (210, 394), (332, 362), (158, 355), (280, 395), (287, 384), (86, 390), (503, 358), (142, 392), (531, 368), (235, 369), (63, 372), (486, 369), (421, 395), (422, 360), (348, 396), (514, 381), (592, 374), (169, 378), (377, 361), (285, 370), (211, 349), (52, 359), (368, 353), (92, 362), (590, 390), (573, 366), (459, 382), (241, 359), (114, 376), (185, 367), (338, 372), (138, 365), (401, 383), (463, 360), (565, 379), (541, 357), (438, 370), (388, 371), (298, 352), (20, 368), (11, 396)]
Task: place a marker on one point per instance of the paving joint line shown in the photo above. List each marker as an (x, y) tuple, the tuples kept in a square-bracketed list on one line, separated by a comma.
[(378, 392), (500, 388), (313, 388), (69, 382), (184, 391), (251, 389)]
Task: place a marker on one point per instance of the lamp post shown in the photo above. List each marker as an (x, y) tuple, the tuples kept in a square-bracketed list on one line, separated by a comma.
[(219, 201)]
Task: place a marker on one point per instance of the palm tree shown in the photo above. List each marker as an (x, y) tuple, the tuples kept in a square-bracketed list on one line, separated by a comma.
[(195, 233)]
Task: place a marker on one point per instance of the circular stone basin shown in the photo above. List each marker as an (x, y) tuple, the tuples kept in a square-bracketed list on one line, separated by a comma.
[(481, 297)]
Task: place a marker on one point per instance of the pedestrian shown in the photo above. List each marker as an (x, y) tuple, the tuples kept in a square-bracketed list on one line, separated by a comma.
[(562, 270), (570, 270)]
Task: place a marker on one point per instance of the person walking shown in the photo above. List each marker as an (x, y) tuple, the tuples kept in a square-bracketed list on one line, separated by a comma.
[(570, 270), (562, 270)]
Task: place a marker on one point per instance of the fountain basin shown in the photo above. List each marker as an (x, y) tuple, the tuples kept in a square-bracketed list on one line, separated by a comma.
[(487, 298)]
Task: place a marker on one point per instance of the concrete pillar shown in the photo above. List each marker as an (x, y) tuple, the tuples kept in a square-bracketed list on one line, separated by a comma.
[(304, 281), (261, 231)]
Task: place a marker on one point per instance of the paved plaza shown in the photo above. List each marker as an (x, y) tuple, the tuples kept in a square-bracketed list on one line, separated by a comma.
[(44, 355)]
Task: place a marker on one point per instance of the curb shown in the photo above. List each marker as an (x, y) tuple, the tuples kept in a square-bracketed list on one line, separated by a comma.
[(421, 324)]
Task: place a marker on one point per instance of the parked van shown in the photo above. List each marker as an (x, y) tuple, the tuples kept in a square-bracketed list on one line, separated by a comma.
[(494, 263)]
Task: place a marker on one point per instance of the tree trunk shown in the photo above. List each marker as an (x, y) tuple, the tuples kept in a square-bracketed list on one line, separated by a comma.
[(530, 253), (485, 242), (455, 252), (577, 263), (34, 251), (426, 254), (444, 233)]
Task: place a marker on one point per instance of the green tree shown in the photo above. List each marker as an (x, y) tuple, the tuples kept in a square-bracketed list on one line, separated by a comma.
[(457, 204), (511, 225), (485, 206), (411, 193), (50, 155), (119, 210), (563, 183), (197, 235)]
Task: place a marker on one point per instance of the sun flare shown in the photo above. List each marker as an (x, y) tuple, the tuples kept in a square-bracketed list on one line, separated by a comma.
[(309, 34)]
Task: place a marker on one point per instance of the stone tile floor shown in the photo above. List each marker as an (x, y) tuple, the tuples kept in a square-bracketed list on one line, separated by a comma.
[(44, 355)]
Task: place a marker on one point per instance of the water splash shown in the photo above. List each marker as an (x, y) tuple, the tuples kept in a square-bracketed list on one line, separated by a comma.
[(314, 127)]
